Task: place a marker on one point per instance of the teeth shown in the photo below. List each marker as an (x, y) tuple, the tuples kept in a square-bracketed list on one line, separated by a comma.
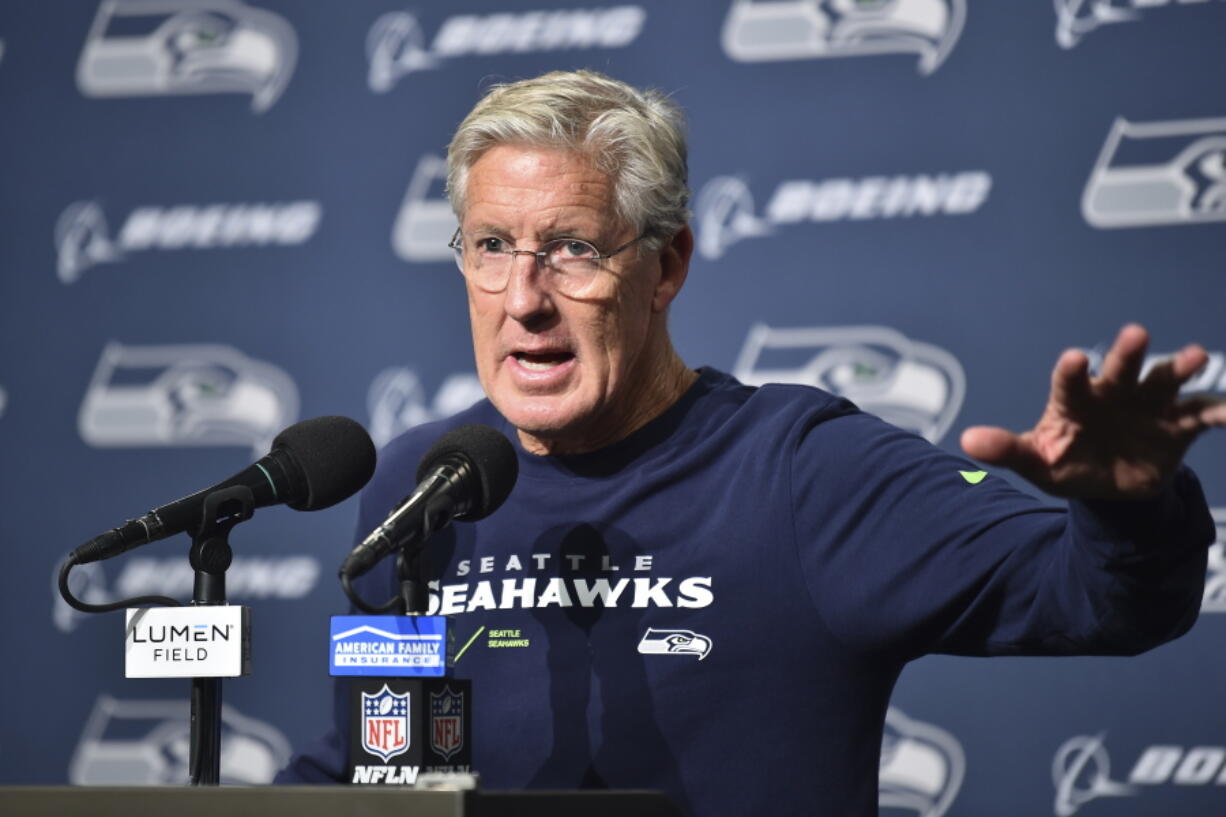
[(536, 365), (541, 362)]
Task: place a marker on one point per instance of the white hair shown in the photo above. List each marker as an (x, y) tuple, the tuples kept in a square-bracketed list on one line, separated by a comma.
[(636, 137)]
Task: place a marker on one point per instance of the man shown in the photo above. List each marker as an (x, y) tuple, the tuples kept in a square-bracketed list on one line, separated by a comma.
[(686, 561)]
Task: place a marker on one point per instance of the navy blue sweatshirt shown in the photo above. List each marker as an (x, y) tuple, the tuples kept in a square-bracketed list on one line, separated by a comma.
[(760, 562)]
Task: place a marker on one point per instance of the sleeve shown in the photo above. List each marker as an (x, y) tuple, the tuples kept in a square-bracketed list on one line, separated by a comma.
[(909, 550)]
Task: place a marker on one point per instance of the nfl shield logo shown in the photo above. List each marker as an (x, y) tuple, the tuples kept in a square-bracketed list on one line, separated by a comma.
[(385, 723), (446, 722)]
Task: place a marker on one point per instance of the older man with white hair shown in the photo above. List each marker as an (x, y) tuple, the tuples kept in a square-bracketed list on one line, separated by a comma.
[(688, 566)]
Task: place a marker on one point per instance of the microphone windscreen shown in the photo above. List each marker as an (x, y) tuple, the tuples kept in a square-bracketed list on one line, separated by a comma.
[(492, 457), (334, 458)]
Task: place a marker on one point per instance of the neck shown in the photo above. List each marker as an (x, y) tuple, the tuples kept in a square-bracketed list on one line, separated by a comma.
[(650, 396)]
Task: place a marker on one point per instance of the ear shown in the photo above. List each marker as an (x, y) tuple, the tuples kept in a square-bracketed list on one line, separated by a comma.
[(674, 267)]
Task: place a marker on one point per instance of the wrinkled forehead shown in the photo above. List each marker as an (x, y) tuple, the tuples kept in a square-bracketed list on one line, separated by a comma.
[(544, 188)]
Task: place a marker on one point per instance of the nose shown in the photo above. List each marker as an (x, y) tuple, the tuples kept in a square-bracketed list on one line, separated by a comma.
[(527, 298)]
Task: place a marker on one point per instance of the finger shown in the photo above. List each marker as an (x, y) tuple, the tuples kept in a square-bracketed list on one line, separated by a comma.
[(1166, 378), (1188, 361), (1000, 446), (987, 443), (1070, 379), (1122, 365), (1162, 382), (1198, 413), (1214, 414)]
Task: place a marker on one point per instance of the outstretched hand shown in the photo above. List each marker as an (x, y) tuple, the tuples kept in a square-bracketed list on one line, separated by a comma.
[(1114, 436)]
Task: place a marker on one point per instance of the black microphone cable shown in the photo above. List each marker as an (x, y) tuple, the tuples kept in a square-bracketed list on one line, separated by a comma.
[(314, 464)]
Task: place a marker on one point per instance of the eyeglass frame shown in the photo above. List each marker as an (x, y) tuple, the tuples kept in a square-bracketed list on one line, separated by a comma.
[(541, 255)]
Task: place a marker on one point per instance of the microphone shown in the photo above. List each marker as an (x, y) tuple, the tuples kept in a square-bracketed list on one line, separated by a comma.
[(313, 464), (466, 475)]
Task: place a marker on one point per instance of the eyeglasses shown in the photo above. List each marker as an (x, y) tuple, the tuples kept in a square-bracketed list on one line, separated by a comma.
[(570, 264)]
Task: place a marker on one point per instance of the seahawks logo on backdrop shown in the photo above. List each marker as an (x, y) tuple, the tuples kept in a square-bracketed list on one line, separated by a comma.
[(148, 743), (922, 767), (1187, 185), (173, 395), (913, 385), (762, 30), (1077, 18), (181, 47)]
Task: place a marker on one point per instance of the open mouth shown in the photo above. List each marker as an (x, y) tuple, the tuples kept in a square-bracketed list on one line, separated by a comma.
[(542, 362)]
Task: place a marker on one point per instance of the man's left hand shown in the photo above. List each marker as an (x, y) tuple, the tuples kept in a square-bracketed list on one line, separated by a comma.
[(1114, 436)]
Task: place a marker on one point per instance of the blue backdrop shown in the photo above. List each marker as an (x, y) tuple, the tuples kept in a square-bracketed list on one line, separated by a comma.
[(219, 217)]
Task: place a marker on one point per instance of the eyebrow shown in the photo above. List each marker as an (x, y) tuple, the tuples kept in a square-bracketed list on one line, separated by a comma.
[(486, 228), (552, 234)]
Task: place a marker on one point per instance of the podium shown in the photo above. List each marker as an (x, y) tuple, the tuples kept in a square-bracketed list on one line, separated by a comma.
[(322, 801)]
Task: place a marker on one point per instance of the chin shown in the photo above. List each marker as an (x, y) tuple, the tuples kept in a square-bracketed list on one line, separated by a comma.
[(544, 418), (534, 415)]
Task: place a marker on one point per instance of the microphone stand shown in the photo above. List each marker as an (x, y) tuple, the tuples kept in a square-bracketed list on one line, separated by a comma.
[(440, 726), (210, 558), (411, 567)]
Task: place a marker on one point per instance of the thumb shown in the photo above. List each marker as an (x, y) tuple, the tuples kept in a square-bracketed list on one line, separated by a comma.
[(998, 446)]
